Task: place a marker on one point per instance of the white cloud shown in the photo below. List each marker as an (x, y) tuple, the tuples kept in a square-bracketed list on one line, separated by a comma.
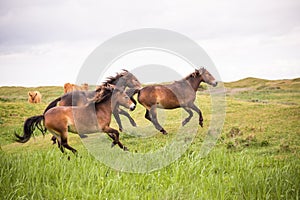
[(244, 38)]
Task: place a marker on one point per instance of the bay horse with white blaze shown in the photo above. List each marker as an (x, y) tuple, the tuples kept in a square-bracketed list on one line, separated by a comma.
[(180, 93), (93, 117)]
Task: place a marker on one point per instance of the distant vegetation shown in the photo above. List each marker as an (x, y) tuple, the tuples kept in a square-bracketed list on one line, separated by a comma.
[(257, 156)]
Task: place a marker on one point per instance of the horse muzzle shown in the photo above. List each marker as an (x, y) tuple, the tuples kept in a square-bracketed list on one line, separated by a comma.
[(132, 107), (214, 84)]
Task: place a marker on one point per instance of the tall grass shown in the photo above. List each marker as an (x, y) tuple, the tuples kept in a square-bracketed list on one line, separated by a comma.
[(256, 156), (47, 174)]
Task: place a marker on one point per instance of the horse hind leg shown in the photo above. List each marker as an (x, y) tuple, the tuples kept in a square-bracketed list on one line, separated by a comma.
[(186, 120), (64, 143), (155, 121), (147, 115), (53, 138), (56, 138)]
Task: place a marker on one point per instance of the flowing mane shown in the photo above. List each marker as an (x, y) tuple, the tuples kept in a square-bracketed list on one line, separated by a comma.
[(114, 79), (102, 93)]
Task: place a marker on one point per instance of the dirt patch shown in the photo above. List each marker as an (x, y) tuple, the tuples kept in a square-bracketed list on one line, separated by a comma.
[(232, 91)]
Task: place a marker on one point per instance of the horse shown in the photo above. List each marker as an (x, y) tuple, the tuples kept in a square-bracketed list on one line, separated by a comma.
[(34, 97), (80, 98), (180, 93), (93, 117), (68, 87)]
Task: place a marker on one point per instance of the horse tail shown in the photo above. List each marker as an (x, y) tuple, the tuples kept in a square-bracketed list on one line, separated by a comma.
[(138, 95), (52, 104), (29, 126)]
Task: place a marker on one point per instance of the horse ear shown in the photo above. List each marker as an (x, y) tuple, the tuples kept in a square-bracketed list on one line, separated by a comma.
[(124, 72), (201, 70)]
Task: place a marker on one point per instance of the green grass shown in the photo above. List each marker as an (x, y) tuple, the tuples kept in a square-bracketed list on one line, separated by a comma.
[(256, 156)]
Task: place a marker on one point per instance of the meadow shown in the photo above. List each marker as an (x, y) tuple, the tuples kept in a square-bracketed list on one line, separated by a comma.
[(257, 155)]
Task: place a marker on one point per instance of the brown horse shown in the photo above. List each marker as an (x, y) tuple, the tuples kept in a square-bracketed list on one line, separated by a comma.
[(93, 117), (178, 94), (68, 87), (80, 98), (34, 97)]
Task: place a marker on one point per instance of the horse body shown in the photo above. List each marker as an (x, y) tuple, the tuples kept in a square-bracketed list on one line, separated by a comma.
[(84, 118), (170, 96), (93, 117)]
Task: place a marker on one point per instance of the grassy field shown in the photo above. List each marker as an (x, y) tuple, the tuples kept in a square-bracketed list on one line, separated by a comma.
[(257, 155)]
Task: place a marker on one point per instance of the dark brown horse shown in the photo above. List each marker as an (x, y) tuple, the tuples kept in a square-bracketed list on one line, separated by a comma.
[(93, 117), (178, 94)]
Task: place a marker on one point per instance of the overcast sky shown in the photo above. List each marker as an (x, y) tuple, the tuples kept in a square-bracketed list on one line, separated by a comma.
[(46, 42)]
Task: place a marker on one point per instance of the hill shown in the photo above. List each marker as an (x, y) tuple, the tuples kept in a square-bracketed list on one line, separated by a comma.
[(256, 83)]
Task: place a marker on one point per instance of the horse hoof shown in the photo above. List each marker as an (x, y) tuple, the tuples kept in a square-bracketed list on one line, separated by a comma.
[(112, 145), (183, 123), (163, 131), (121, 129), (201, 124), (125, 148)]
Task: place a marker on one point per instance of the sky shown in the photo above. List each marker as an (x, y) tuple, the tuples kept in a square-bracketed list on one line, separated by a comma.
[(47, 42)]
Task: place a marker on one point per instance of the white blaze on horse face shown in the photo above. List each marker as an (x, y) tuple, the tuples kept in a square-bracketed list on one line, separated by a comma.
[(132, 107)]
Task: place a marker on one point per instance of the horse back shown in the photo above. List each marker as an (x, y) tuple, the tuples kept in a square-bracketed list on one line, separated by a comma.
[(165, 96), (77, 119), (76, 98)]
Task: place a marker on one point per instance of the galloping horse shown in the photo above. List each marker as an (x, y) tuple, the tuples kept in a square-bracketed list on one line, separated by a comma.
[(178, 94), (80, 98), (94, 116)]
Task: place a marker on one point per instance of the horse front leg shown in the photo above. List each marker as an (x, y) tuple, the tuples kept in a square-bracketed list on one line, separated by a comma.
[(186, 120), (122, 112), (117, 117), (196, 109), (114, 134), (153, 114)]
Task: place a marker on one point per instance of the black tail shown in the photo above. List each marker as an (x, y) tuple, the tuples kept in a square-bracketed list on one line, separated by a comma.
[(52, 104), (29, 126)]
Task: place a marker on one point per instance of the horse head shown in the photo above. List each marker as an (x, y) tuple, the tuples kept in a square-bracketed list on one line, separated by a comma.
[(130, 80), (206, 76)]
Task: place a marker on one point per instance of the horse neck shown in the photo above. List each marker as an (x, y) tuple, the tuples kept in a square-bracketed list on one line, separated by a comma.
[(119, 82), (104, 105), (194, 82)]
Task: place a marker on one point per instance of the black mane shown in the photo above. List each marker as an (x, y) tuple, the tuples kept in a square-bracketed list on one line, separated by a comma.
[(114, 79)]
